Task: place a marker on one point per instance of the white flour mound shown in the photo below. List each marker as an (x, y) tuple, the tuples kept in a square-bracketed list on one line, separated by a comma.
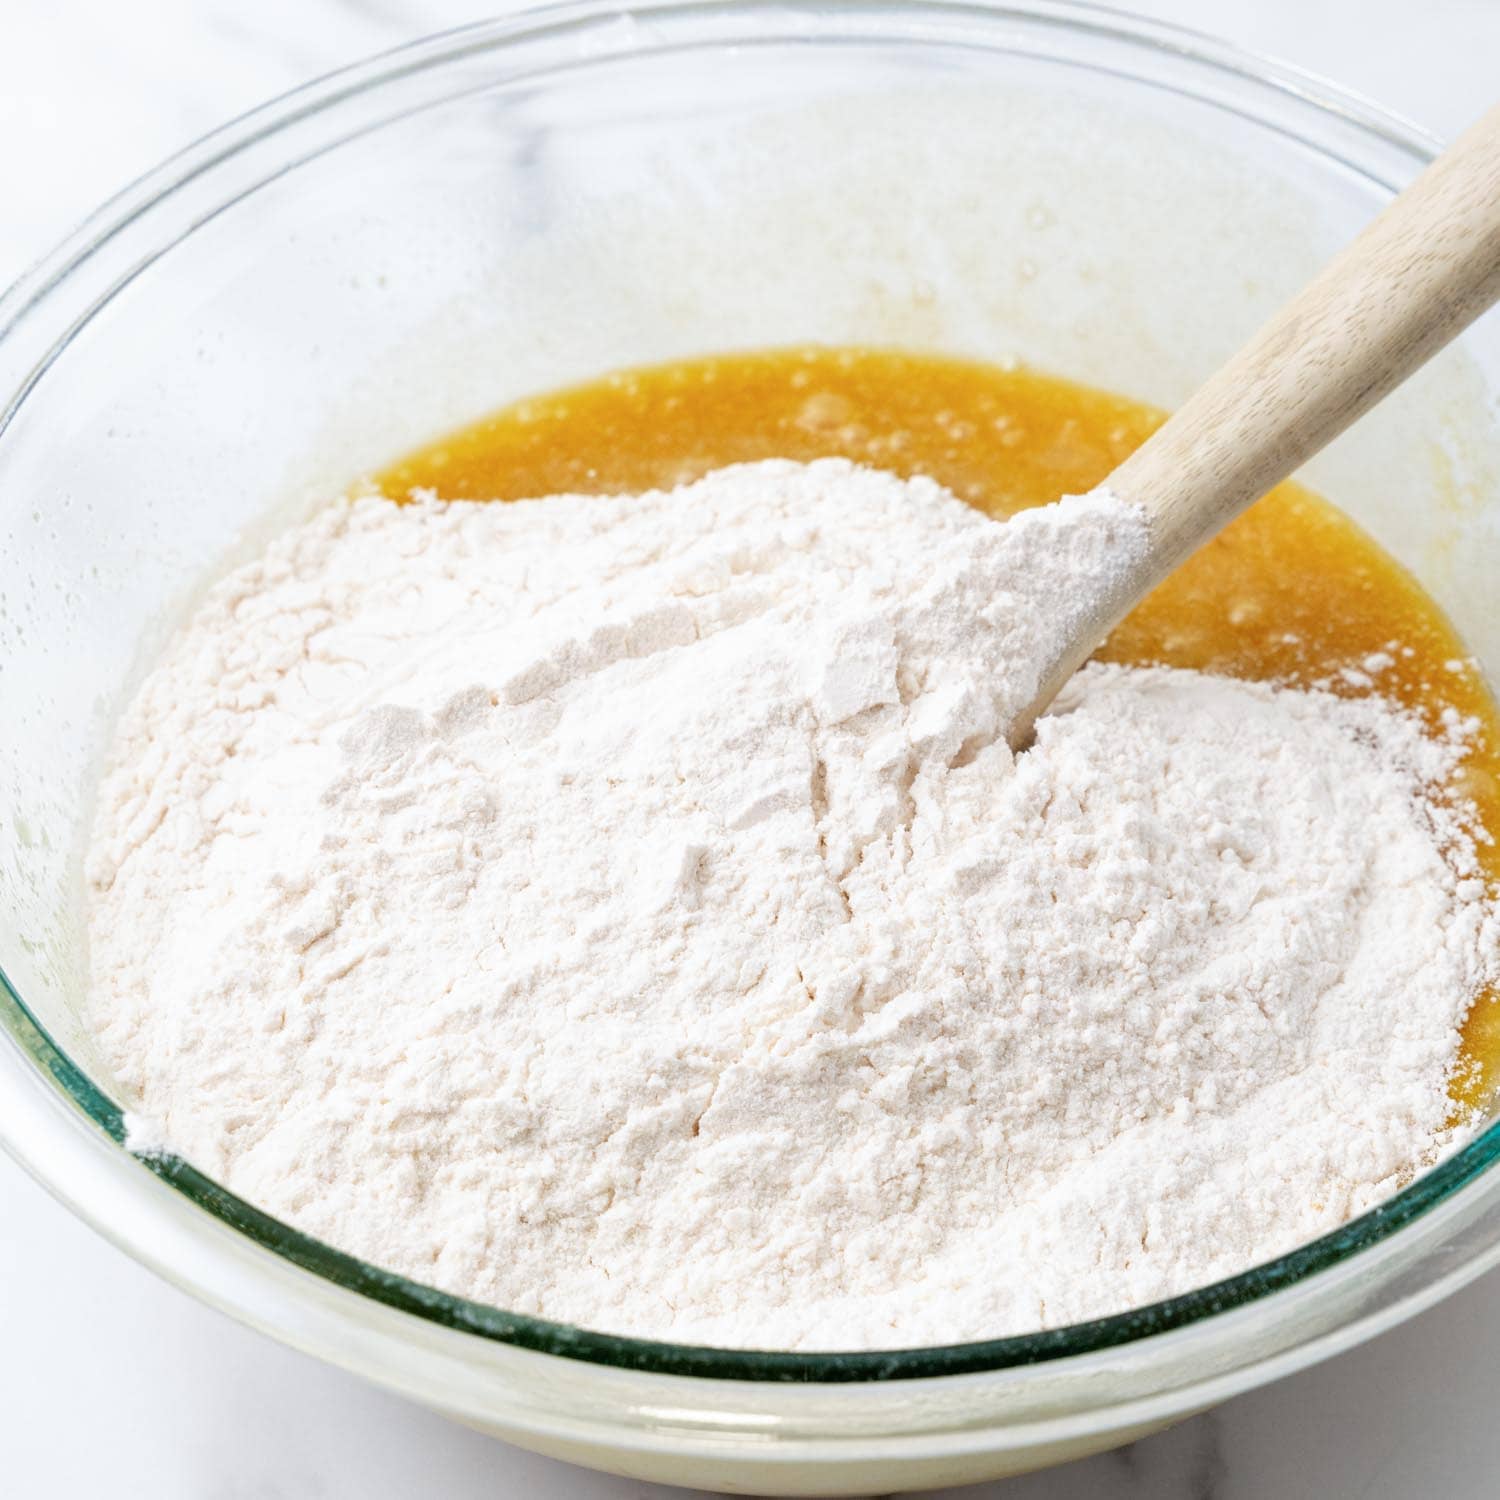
[(628, 911)]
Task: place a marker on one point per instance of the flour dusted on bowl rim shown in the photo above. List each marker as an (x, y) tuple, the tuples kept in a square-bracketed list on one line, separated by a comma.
[(627, 911)]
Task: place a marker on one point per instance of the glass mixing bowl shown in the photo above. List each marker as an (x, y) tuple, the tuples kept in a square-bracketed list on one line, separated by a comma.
[(398, 248)]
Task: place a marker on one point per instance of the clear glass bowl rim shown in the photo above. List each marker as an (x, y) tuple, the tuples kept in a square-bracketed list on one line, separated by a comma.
[(763, 20)]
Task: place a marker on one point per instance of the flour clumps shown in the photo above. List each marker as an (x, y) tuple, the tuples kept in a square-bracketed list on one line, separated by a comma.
[(627, 911)]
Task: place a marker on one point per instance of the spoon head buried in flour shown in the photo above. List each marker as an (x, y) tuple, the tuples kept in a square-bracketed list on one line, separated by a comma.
[(1074, 568)]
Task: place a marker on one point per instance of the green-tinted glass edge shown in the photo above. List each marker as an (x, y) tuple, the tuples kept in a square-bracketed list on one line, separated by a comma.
[(568, 1342)]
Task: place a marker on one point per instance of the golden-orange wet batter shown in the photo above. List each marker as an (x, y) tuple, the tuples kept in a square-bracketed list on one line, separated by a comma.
[(1291, 592)]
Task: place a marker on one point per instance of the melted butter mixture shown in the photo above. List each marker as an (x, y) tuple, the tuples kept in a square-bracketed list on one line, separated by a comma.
[(1291, 592)]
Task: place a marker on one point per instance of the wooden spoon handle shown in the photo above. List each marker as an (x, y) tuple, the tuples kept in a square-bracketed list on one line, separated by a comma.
[(1418, 275), (1421, 272)]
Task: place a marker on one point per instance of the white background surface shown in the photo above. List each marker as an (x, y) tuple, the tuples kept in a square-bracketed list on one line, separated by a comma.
[(111, 1382)]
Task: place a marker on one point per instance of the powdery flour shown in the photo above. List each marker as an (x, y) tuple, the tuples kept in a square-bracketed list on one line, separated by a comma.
[(628, 911)]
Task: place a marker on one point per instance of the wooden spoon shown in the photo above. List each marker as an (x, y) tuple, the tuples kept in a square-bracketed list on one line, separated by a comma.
[(1413, 280)]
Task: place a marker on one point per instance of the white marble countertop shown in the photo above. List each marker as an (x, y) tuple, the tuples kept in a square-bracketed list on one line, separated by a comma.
[(112, 1382)]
